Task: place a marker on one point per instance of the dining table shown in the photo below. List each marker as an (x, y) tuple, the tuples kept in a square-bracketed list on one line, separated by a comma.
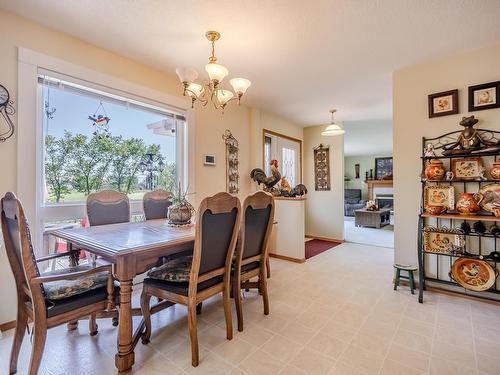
[(133, 248)]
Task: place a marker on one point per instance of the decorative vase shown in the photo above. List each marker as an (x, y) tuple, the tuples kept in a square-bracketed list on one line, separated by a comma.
[(495, 171), (435, 170), (179, 214), (468, 203), (435, 210)]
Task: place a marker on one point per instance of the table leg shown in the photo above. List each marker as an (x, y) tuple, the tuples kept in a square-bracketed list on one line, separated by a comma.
[(73, 262), (125, 357)]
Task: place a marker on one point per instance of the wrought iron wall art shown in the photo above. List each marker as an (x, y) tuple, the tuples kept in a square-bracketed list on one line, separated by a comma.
[(232, 175), (322, 168), (6, 110)]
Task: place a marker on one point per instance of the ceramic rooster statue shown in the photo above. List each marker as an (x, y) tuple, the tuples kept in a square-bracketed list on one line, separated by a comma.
[(259, 176)]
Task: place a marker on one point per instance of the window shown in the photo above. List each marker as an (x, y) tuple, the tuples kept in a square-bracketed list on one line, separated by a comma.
[(94, 140), (289, 165)]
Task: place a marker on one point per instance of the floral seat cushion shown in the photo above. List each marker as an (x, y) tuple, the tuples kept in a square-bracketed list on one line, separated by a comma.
[(56, 290), (175, 270)]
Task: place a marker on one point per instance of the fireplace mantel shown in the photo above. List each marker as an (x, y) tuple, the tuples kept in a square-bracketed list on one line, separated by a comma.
[(377, 183)]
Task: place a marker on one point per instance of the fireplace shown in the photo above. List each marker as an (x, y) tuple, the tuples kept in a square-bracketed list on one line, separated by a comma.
[(385, 201)]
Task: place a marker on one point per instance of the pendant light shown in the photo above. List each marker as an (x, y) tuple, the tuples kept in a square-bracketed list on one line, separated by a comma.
[(333, 129)]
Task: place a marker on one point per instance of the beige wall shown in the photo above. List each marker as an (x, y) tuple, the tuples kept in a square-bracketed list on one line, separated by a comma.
[(18, 32), (366, 162), (410, 89), (324, 209)]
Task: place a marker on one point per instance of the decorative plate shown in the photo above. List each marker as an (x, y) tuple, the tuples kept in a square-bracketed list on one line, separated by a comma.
[(467, 168), (443, 240), (440, 195), (473, 274), (491, 197)]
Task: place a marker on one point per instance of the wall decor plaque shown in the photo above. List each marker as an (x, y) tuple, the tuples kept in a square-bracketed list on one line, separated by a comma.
[(232, 175), (443, 240), (6, 110), (322, 168), (439, 195)]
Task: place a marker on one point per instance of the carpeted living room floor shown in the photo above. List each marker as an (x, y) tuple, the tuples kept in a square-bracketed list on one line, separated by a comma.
[(383, 237)]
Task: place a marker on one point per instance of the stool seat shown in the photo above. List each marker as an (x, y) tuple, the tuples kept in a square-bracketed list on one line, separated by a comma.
[(405, 267), (410, 277)]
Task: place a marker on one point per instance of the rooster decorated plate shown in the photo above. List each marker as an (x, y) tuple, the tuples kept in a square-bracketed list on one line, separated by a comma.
[(491, 197), (473, 274)]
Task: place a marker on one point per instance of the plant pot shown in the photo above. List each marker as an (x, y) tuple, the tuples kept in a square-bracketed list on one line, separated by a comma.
[(495, 171), (468, 203), (435, 170), (179, 214)]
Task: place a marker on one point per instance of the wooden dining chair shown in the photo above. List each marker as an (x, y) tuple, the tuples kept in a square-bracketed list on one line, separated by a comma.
[(156, 204), (191, 280), (108, 207), (252, 251), (53, 298)]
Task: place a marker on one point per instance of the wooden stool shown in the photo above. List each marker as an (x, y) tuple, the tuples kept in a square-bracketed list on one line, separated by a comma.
[(410, 270)]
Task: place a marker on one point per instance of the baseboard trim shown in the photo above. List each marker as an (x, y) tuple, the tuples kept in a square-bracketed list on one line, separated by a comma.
[(324, 238), (7, 325), (290, 259)]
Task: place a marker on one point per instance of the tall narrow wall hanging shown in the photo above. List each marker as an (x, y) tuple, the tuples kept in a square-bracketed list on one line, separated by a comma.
[(6, 110), (322, 168), (232, 175)]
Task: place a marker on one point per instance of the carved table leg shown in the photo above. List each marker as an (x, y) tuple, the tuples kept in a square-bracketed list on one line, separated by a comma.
[(124, 359)]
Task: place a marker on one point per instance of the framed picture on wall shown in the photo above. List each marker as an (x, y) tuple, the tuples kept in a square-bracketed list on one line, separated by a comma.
[(484, 96), (443, 103), (383, 168)]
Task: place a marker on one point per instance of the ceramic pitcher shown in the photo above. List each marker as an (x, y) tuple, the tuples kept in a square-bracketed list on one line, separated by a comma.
[(468, 203)]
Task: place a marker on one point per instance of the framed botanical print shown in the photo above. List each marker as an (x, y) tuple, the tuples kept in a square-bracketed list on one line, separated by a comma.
[(383, 168), (443, 103), (467, 168), (484, 96), (439, 195), (322, 168), (443, 240)]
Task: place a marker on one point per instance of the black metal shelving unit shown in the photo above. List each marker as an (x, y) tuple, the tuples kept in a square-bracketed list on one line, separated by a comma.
[(474, 241)]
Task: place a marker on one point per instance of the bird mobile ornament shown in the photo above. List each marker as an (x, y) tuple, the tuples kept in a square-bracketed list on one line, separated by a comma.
[(100, 121), (6, 110)]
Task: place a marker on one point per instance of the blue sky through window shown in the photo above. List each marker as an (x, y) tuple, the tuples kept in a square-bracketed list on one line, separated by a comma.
[(73, 110)]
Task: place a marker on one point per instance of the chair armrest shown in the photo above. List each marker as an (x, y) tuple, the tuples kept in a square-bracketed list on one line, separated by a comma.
[(71, 275)]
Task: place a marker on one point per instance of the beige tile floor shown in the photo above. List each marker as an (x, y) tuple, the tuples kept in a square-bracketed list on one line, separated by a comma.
[(335, 314)]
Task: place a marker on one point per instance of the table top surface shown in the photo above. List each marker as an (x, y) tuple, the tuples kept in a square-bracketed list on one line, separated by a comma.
[(126, 238), (382, 211)]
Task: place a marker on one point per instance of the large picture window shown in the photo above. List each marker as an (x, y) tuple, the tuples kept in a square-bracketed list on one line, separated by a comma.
[(95, 140)]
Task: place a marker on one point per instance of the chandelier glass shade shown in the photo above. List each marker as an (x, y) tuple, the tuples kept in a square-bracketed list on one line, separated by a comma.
[(333, 129), (212, 91)]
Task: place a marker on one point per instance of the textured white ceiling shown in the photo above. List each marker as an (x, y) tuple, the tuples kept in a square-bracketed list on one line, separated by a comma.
[(368, 137), (303, 57)]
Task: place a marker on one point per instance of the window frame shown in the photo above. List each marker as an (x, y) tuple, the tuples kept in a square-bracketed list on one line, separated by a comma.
[(270, 133), (30, 147)]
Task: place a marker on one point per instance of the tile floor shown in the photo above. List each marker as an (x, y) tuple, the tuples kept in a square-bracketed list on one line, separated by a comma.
[(335, 314)]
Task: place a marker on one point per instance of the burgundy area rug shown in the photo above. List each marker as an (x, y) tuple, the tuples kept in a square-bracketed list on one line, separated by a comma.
[(315, 247)]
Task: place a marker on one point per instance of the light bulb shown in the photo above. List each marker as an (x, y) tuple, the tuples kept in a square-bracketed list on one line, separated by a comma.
[(240, 85), (216, 72), (186, 74), (194, 89), (223, 96)]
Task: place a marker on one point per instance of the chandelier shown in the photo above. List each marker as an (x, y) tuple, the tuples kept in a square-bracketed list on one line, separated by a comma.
[(332, 129), (212, 91)]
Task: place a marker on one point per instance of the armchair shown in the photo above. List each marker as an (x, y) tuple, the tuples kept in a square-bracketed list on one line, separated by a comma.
[(352, 201)]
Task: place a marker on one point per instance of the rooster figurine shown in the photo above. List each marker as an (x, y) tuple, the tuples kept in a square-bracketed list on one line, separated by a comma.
[(259, 176)]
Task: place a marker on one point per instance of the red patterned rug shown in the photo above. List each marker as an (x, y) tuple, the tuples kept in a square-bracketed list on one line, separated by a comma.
[(315, 247)]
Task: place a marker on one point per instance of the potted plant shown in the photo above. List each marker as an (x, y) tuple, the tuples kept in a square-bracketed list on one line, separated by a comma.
[(180, 211)]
